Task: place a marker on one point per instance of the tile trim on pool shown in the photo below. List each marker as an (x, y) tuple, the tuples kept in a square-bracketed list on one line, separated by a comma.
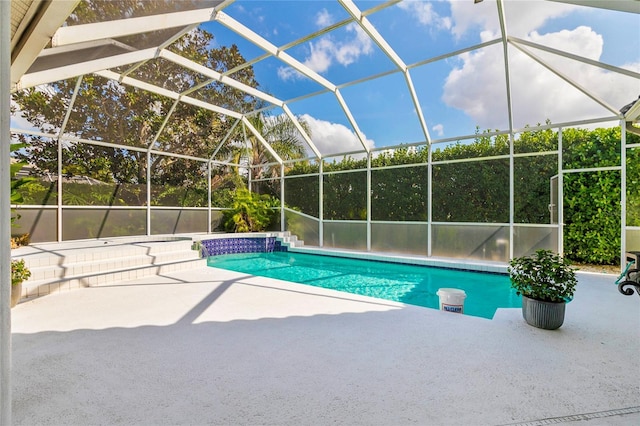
[(241, 244)]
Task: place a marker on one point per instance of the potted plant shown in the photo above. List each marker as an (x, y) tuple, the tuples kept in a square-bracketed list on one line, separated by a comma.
[(546, 282), (19, 273)]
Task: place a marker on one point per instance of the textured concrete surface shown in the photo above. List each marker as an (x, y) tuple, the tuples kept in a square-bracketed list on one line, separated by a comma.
[(209, 346)]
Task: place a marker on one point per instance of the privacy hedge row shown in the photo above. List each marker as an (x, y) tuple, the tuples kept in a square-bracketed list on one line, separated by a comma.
[(475, 190)]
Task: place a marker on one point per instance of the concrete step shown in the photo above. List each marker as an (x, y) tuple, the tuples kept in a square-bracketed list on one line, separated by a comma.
[(42, 256), (107, 263), (32, 289), (73, 265)]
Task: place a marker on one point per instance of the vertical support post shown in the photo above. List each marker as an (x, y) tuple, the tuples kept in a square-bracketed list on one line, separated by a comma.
[(368, 201), (282, 218), (321, 203), (623, 194), (560, 196), (59, 229), (209, 197), (148, 192), (429, 198), (511, 194), (5, 214)]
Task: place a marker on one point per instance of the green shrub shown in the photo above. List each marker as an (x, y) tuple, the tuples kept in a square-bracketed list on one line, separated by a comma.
[(543, 276), (249, 212), (19, 271)]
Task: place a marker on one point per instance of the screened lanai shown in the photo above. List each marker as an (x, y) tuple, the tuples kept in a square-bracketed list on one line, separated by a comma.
[(422, 140), (480, 129)]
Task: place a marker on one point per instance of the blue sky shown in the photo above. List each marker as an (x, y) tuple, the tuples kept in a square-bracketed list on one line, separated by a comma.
[(456, 94)]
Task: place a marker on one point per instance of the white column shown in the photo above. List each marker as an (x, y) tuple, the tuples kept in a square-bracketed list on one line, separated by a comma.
[(148, 172), (623, 195), (511, 194), (209, 197), (368, 201), (560, 196), (321, 203), (5, 215), (429, 199), (282, 218), (60, 189)]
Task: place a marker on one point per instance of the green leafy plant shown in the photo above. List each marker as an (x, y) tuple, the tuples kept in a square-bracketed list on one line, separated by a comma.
[(14, 168), (19, 271), (249, 212), (544, 276)]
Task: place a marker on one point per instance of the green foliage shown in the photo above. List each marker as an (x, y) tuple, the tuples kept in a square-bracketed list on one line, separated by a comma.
[(345, 196), (592, 199), (19, 271), (633, 186), (107, 111), (475, 190), (531, 189), (592, 217), (15, 196), (543, 276), (482, 146), (249, 212)]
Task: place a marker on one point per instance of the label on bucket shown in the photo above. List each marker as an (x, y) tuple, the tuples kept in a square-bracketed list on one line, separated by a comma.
[(452, 308)]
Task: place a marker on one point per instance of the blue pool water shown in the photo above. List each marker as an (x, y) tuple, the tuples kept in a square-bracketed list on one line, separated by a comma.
[(411, 284)]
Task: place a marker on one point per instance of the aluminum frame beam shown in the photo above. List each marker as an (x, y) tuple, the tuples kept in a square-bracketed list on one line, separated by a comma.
[(569, 80), (304, 134), (215, 75), (270, 48), (37, 33), (258, 136), (377, 38), (167, 93), (82, 68), (131, 26)]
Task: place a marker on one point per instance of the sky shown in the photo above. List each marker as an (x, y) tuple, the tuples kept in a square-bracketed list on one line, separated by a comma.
[(455, 94)]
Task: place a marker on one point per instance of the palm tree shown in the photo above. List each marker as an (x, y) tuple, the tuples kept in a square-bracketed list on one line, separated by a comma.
[(284, 138)]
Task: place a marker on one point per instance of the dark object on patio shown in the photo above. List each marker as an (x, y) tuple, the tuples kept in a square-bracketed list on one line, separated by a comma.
[(632, 276)]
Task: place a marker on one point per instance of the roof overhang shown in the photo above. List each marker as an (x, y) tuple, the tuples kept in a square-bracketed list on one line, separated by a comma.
[(35, 25)]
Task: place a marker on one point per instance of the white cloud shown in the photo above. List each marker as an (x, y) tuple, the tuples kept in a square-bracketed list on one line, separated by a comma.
[(477, 87), (439, 129), (324, 18), (581, 41), (425, 14), (522, 16), (324, 52), (349, 51), (321, 55), (331, 137), (288, 73)]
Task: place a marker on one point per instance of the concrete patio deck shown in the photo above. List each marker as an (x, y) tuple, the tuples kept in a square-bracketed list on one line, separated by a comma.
[(209, 346)]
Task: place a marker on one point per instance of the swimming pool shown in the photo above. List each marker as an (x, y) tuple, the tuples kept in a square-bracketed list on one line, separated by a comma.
[(411, 284)]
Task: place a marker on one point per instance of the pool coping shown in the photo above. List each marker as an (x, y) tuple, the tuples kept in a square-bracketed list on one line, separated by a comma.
[(440, 262)]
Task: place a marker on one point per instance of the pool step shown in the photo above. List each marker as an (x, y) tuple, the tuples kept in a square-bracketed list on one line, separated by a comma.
[(290, 240), (65, 269)]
